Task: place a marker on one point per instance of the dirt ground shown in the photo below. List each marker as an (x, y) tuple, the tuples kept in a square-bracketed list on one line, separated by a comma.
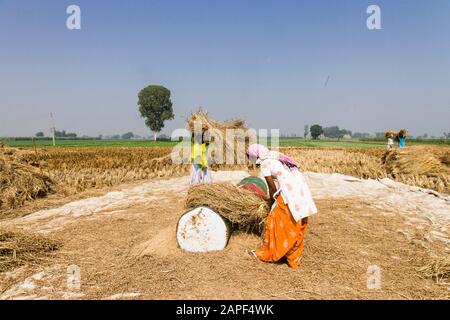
[(124, 244)]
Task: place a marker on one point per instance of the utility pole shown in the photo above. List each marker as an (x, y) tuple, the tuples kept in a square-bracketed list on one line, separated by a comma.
[(53, 129)]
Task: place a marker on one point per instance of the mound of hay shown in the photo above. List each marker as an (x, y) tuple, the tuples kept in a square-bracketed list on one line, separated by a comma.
[(414, 161), (20, 182), (244, 209), (437, 269), (18, 248)]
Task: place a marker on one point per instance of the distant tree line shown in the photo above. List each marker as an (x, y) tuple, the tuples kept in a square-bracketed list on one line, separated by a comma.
[(126, 136), (58, 134), (64, 134), (361, 135), (333, 132)]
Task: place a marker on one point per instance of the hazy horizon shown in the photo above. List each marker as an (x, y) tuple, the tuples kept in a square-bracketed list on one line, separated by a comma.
[(276, 64)]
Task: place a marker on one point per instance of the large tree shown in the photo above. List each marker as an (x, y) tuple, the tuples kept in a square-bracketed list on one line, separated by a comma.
[(155, 107), (316, 131)]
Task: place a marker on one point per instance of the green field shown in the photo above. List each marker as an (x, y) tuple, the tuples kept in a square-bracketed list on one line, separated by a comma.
[(284, 142)]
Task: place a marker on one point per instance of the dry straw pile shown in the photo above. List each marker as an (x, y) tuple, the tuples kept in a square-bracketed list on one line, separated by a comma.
[(242, 208), (20, 182), (437, 269), (422, 166), (415, 161), (18, 248)]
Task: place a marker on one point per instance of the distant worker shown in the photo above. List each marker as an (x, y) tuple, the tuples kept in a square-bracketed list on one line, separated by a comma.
[(390, 139), (292, 205), (402, 138), (199, 158)]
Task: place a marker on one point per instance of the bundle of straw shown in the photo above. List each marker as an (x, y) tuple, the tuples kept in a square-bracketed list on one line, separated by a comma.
[(207, 123), (402, 133), (390, 134), (20, 182), (414, 161), (229, 144), (18, 248), (242, 208)]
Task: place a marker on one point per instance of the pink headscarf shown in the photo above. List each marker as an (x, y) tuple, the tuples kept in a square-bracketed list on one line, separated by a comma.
[(260, 153), (257, 151)]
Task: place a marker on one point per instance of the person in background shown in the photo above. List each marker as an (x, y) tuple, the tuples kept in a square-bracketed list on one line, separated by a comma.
[(390, 139), (402, 138), (199, 158), (287, 222)]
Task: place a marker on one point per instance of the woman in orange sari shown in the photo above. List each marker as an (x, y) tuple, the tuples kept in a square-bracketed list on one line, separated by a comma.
[(287, 222)]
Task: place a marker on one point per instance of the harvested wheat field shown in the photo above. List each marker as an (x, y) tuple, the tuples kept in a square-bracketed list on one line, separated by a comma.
[(124, 244), (113, 213), (421, 166), (65, 174)]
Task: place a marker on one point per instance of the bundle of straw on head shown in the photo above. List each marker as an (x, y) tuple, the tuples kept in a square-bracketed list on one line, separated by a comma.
[(201, 119), (390, 134), (402, 133), (242, 208), (207, 123)]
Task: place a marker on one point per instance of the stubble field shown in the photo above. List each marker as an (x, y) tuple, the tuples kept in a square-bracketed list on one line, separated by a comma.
[(113, 211)]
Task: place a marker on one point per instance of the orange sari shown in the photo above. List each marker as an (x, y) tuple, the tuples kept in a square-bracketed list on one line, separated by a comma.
[(283, 236)]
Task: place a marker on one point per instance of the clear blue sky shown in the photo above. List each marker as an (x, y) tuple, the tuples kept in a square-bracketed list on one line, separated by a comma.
[(264, 61)]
